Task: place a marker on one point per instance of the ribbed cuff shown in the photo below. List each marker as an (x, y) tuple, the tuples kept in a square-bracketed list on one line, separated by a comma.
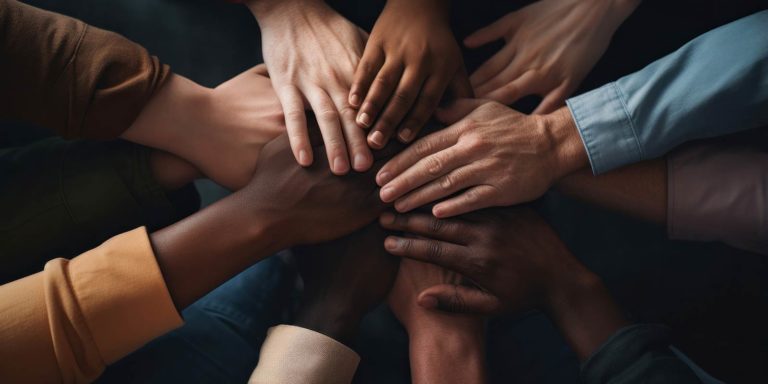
[(606, 128), (295, 355)]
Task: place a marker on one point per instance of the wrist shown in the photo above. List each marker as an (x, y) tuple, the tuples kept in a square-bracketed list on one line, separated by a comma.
[(168, 122), (569, 154), (330, 319), (582, 309), (267, 10), (171, 172), (423, 8), (447, 357)]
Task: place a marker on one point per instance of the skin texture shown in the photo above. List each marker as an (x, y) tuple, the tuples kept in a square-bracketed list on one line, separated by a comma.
[(444, 347), (638, 190), (410, 60), (199, 124), (316, 71), (551, 45), (516, 262), (343, 280), (284, 205), (491, 154)]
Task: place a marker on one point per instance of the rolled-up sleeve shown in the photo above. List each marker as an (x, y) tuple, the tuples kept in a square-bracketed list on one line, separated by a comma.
[(60, 73), (714, 85), (295, 355), (67, 323), (719, 193)]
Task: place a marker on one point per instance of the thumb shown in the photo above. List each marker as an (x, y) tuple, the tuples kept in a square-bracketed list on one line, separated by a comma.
[(489, 33), (457, 110), (459, 298)]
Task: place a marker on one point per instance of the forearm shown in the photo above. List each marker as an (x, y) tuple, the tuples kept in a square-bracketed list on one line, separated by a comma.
[(204, 250), (447, 357), (584, 312), (78, 80), (264, 9), (673, 100), (639, 190)]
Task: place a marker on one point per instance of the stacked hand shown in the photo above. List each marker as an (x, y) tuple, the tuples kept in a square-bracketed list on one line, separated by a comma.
[(312, 52), (551, 45), (493, 155), (410, 60), (516, 262), (343, 280)]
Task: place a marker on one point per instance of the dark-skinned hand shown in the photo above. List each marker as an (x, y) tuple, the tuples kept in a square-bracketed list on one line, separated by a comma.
[(343, 280)]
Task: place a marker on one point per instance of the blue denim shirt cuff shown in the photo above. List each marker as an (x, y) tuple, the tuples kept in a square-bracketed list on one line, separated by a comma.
[(605, 127)]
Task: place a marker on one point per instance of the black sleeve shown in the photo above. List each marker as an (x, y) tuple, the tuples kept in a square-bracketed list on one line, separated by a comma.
[(637, 354)]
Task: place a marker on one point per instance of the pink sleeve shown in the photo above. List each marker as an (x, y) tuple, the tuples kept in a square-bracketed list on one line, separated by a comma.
[(719, 193)]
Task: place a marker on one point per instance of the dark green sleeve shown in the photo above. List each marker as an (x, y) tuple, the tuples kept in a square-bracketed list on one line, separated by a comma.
[(637, 354), (60, 198)]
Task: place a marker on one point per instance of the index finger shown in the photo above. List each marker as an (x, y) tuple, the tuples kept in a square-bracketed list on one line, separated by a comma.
[(424, 147)]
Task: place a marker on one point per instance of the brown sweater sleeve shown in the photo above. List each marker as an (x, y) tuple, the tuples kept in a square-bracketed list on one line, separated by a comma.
[(60, 73)]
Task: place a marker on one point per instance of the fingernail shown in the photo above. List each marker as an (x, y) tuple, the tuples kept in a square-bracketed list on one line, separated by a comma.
[(391, 243), (377, 138), (428, 302), (339, 165), (405, 134), (387, 218), (304, 158), (383, 178), (354, 100), (359, 162), (436, 211), (364, 119), (386, 194)]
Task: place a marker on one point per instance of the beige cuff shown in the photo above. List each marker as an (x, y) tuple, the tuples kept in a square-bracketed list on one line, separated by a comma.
[(122, 294), (295, 355)]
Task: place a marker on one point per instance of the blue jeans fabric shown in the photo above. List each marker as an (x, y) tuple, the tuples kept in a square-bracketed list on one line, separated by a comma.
[(222, 334)]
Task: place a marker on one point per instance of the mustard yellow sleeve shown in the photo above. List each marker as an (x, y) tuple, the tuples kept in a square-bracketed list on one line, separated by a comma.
[(66, 323), (295, 355)]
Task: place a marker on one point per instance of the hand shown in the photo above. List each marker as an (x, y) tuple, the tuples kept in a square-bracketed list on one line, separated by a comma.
[(220, 131), (444, 347), (551, 45), (496, 155), (312, 52), (517, 262), (284, 205), (410, 60), (343, 280), (414, 277)]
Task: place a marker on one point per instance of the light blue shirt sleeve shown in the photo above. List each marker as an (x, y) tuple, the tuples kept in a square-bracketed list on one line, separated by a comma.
[(714, 85)]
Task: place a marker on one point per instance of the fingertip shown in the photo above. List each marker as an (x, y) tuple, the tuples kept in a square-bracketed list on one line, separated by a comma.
[(391, 243), (364, 120), (340, 166), (383, 177), (376, 140), (361, 162), (427, 301), (304, 157), (387, 219), (354, 100)]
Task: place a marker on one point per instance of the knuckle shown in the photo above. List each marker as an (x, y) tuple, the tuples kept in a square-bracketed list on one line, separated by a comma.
[(434, 165), (435, 225), (402, 97), (474, 143), (422, 148), (328, 115), (434, 250), (294, 115), (383, 81)]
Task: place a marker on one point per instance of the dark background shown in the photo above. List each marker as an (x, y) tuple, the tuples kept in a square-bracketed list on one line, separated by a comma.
[(714, 297)]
